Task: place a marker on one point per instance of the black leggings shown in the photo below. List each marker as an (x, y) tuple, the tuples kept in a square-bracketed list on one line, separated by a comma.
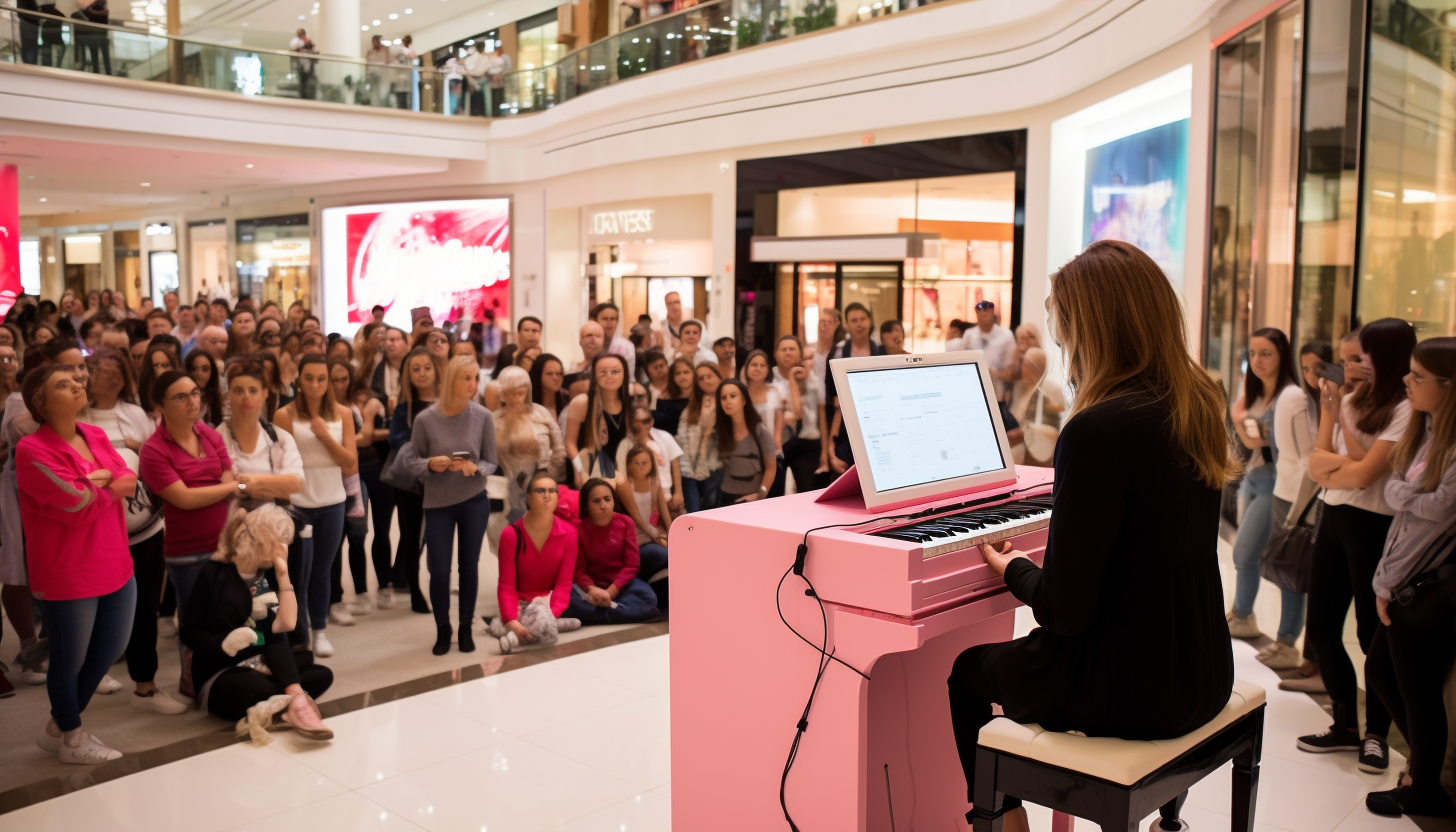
[(239, 688), (1406, 668), (802, 457), (141, 648), (381, 511), (1347, 547), (972, 691), (411, 508)]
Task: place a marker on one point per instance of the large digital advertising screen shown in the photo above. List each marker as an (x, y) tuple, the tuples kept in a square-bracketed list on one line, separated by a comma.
[(451, 256)]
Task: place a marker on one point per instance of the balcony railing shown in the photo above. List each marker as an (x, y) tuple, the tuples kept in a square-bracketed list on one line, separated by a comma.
[(690, 34)]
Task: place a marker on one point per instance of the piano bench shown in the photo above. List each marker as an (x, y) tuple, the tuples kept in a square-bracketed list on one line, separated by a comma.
[(1115, 783)]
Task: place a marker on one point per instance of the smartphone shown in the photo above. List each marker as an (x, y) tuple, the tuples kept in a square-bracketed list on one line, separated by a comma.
[(1253, 428), (1332, 372), (460, 455)]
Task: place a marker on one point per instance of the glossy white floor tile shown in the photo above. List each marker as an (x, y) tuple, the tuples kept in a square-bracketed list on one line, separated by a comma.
[(533, 698), (380, 742), (513, 787), (348, 812), (646, 812), (214, 791), (512, 753), (640, 747)]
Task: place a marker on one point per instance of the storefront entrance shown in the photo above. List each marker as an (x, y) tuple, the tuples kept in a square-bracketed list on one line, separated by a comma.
[(836, 285)]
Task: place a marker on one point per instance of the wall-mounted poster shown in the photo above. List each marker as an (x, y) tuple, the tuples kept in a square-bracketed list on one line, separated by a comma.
[(451, 256), (1137, 192)]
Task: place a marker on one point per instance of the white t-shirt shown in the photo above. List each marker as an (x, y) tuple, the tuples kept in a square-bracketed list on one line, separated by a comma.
[(999, 345), (1293, 440), (771, 405), (123, 422), (664, 448), (1371, 498), (266, 457)]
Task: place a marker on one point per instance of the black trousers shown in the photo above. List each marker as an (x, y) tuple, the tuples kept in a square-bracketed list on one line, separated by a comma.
[(381, 511), (972, 692), (150, 570), (1406, 667), (411, 510), (802, 457), (240, 688), (1347, 547)]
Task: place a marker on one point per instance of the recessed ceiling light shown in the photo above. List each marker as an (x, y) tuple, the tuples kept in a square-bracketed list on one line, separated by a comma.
[(364, 28), (32, 176), (409, 11), (42, 199), (146, 184), (300, 17), (245, 24), (374, 22), (394, 17), (250, 166)]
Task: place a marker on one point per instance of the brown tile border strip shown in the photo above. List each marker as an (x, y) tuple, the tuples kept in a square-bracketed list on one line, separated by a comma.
[(59, 785)]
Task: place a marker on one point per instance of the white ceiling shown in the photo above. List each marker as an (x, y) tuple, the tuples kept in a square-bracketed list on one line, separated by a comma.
[(80, 176)]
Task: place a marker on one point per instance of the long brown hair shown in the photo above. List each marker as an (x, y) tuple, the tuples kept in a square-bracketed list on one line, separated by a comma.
[(593, 431), (1388, 342), (301, 407), (723, 428), (407, 391), (1120, 324), (1438, 356), (694, 410)]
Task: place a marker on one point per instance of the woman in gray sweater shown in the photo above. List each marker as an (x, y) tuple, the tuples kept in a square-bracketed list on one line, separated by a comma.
[(452, 451)]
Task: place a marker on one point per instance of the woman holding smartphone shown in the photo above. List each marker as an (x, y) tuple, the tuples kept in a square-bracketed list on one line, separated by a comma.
[(453, 451), (1351, 460), (1271, 373), (1131, 563)]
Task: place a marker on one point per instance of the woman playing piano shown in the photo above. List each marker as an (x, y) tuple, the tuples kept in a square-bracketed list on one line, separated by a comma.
[(1132, 641)]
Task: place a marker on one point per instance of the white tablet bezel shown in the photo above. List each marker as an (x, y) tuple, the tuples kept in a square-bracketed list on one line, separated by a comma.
[(873, 498)]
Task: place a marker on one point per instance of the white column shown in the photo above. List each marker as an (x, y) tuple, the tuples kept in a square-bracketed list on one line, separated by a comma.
[(338, 28)]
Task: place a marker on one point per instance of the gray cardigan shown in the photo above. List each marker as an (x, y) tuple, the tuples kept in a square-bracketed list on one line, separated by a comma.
[(471, 431), (1420, 518)]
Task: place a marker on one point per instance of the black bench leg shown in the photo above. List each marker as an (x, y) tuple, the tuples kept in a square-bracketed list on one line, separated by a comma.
[(987, 798), (1246, 777), (1169, 813), (1117, 820)]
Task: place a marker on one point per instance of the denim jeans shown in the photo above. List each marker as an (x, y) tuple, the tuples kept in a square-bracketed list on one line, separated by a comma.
[(182, 574), (470, 519), (635, 602), (1258, 490), (653, 560), (328, 530), (86, 636), (700, 495)]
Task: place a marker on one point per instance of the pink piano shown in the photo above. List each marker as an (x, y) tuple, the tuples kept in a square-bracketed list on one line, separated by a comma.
[(902, 601)]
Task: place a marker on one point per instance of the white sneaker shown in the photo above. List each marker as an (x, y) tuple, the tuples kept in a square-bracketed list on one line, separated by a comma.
[(83, 749), (167, 627), (387, 600), (158, 702), (108, 686), (321, 646), (363, 605), (339, 614), (48, 741), (31, 677)]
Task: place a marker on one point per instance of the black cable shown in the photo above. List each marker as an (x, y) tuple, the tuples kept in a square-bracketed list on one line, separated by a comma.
[(825, 654)]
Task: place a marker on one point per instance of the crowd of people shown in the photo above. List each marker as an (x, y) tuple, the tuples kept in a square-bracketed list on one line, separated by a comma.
[(1356, 454)]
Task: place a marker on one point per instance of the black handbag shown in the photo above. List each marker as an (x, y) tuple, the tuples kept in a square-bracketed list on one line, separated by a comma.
[(1286, 559)]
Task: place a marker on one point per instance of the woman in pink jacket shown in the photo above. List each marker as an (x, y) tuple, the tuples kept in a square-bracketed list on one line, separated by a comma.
[(72, 488), (537, 562)]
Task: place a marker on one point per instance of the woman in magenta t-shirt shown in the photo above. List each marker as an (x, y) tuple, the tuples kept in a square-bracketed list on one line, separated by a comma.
[(187, 465), (72, 484)]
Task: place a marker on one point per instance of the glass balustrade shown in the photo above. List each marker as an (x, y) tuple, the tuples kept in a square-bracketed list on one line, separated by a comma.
[(464, 88)]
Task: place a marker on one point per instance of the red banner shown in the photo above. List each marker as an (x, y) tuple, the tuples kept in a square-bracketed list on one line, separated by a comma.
[(9, 238)]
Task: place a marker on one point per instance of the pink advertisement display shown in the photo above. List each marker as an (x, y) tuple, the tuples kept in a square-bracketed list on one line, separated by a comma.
[(9, 238), (453, 257)]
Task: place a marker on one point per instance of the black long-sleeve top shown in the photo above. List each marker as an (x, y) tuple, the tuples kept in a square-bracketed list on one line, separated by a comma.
[(221, 603), (1132, 639)]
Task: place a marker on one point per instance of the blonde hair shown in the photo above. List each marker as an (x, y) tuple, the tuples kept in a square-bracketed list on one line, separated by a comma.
[(453, 369), (513, 377), (254, 535), (1119, 324)]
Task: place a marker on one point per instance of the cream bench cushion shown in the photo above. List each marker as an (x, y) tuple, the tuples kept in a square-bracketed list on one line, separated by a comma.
[(1106, 758)]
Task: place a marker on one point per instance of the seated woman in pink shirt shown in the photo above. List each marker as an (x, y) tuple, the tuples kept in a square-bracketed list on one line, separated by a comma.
[(72, 488), (608, 586), (537, 560)]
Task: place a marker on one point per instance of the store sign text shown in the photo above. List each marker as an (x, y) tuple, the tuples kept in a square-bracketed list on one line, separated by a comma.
[(622, 222)]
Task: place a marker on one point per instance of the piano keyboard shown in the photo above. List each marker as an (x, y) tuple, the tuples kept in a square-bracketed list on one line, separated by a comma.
[(953, 532)]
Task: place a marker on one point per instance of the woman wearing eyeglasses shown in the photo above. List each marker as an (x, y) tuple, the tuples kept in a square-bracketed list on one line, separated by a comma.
[(538, 556), (452, 451)]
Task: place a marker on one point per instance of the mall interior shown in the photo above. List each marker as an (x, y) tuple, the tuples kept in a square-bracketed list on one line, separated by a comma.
[(492, 172)]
